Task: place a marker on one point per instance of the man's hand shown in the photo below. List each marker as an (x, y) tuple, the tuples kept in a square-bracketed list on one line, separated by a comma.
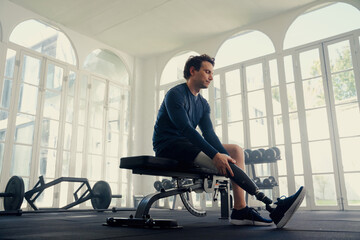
[(221, 162)]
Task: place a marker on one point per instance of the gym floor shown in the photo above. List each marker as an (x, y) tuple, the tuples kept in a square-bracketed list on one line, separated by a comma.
[(89, 225)]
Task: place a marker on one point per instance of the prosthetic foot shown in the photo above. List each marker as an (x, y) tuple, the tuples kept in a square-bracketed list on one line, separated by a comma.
[(286, 207)]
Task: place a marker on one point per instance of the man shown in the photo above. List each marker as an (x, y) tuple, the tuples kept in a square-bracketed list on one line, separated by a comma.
[(175, 136)]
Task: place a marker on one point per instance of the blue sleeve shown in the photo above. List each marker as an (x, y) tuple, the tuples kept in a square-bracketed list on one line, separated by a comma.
[(208, 131), (174, 103)]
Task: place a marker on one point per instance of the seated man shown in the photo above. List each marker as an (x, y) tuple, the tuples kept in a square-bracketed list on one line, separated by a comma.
[(175, 136)]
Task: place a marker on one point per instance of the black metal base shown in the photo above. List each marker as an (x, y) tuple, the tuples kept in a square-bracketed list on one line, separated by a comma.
[(142, 223)]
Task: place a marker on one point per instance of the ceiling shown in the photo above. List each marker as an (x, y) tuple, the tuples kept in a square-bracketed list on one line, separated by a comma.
[(151, 27)]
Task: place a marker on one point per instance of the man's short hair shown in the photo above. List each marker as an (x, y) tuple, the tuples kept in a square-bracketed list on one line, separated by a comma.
[(196, 61)]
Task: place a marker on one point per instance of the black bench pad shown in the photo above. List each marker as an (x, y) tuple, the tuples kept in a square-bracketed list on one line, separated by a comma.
[(159, 166)]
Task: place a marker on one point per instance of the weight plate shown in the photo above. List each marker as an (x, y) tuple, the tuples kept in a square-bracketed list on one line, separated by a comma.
[(15, 186), (270, 155), (256, 155), (277, 150), (101, 198), (157, 185)]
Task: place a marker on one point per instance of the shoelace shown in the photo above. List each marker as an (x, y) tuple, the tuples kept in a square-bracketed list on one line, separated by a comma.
[(280, 200), (252, 210)]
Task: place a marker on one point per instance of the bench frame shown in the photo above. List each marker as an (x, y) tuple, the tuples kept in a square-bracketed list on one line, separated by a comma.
[(203, 180)]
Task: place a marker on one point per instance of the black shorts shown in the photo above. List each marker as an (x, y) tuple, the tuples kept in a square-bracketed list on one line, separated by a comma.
[(182, 150)]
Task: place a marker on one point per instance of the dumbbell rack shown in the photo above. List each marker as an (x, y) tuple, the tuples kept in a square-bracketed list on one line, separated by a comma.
[(261, 156)]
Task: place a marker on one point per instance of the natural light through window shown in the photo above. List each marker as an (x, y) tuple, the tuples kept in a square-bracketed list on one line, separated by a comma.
[(242, 47), (44, 39), (322, 23)]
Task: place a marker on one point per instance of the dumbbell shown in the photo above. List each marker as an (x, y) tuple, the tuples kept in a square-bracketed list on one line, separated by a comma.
[(167, 184), (257, 155), (247, 154), (14, 193), (269, 182), (158, 185), (258, 182), (277, 151)]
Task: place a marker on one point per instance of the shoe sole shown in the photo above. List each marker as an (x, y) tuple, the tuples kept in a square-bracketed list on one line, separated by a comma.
[(290, 212), (248, 223)]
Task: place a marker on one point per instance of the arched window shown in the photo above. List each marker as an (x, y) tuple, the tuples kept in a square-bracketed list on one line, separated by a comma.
[(44, 39), (107, 64), (173, 70), (242, 47), (322, 23)]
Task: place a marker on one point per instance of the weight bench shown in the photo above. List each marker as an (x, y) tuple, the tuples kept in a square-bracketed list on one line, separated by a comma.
[(203, 179)]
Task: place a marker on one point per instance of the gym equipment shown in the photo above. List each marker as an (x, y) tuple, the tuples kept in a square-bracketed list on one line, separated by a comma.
[(203, 179), (158, 185), (187, 179), (100, 194), (247, 154), (256, 156), (14, 193)]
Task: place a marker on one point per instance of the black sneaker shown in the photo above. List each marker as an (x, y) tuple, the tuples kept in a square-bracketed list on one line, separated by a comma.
[(248, 216), (287, 207)]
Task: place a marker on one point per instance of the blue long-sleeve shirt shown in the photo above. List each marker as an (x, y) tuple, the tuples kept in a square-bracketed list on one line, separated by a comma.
[(179, 115)]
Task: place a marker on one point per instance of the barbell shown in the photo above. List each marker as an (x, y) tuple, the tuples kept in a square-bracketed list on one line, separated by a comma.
[(14, 193)]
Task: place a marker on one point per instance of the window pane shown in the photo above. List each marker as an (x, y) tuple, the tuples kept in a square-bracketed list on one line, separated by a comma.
[(49, 40), (321, 157), (349, 149), (67, 136), (348, 119), (71, 83), (324, 190), (275, 93), (283, 186), (254, 77), (2, 148), (310, 64), (279, 130), (298, 160), (340, 56), (54, 77), (114, 96), (6, 94), (289, 70), (21, 160), (314, 93), (82, 109), (31, 70), (344, 87), (47, 163), (49, 133), (112, 145), (80, 139), (234, 108), (216, 84), (94, 167), (114, 120), (256, 102), (299, 181), (95, 141), (112, 169), (28, 99), (10, 63), (52, 105), (258, 132), (274, 76), (236, 133), (233, 82), (282, 163), (24, 131), (218, 111), (69, 109), (65, 164), (294, 127), (4, 115), (317, 124), (352, 188), (291, 97), (218, 131)]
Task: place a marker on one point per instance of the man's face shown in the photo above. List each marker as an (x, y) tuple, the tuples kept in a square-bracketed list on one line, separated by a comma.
[(204, 76)]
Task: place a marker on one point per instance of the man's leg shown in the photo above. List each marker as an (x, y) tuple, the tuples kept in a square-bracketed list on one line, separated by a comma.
[(237, 154)]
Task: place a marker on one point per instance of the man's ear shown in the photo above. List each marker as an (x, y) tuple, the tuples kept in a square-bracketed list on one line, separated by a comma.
[(192, 70)]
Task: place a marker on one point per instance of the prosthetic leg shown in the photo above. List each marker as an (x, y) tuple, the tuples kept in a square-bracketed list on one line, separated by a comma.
[(245, 182)]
